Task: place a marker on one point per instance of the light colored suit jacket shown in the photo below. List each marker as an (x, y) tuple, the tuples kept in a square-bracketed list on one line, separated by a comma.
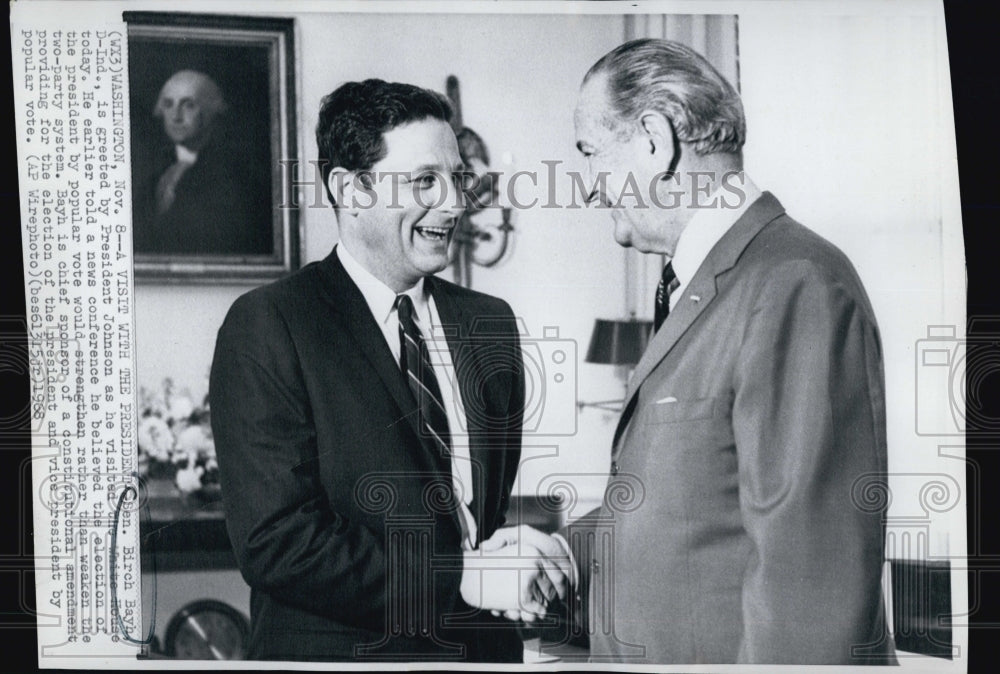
[(743, 519)]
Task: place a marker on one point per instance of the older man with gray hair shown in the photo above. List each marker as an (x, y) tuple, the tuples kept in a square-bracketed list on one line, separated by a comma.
[(189, 105), (738, 523), (204, 196)]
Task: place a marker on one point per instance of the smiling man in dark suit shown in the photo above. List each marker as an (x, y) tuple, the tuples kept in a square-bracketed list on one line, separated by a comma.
[(367, 415), (737, 525)]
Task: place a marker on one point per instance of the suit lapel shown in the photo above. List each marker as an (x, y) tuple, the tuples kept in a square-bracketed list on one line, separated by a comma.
[(356, 320), (457, 323), (698, 295)]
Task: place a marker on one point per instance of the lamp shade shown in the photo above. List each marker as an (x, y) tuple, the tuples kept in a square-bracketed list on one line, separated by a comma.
[(618, 342)]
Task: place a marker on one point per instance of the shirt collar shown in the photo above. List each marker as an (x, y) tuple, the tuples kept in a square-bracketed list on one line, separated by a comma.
[(185, 155), (709, 225), (381, 299)]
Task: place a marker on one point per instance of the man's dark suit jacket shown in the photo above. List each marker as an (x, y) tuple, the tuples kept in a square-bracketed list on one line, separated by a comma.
[(339, 509), (743, 519)]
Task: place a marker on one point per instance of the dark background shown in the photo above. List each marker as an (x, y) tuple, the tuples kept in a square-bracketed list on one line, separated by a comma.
[(240, 71), (974, 55), (974, 48)]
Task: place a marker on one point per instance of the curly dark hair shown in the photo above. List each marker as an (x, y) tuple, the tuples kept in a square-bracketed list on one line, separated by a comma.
[(355, 116)]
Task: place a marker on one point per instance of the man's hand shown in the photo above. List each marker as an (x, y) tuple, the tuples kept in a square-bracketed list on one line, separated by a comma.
[(517, 572)]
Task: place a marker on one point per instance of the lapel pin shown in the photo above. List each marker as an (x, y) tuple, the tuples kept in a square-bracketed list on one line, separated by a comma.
[(696, 298)]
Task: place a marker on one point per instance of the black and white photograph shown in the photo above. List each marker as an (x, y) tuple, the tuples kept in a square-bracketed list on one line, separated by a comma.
[(552, 335), (208, 126)]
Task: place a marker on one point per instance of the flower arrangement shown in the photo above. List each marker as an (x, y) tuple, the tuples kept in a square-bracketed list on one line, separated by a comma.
[(175, 439)]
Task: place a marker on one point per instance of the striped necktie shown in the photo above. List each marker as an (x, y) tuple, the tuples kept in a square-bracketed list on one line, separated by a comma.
[(416, 364), (668, 284)]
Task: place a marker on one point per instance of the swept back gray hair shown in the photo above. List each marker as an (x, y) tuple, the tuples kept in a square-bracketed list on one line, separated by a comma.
[(209, 95), (670, 78)]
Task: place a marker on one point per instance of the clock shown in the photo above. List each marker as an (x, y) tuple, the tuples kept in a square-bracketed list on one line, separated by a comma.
[(207, 630)]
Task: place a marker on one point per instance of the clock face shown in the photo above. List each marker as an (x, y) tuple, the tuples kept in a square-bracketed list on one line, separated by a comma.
[(207, 630)]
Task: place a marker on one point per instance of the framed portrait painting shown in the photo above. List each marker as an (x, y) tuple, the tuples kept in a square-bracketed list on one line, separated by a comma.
[(212, 107)]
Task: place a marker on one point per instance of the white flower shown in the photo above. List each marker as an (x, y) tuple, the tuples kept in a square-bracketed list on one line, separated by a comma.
[(189, 479), (179, 407), (196, 441), (151, 402), (155, 438)]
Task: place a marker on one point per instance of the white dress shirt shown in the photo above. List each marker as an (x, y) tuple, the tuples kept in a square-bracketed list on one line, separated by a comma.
[(185, 155), (707, 227), (166, 186), (381, 300)]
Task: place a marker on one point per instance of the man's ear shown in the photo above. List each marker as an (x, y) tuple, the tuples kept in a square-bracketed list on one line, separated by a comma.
[(660, 134), (340, 183)]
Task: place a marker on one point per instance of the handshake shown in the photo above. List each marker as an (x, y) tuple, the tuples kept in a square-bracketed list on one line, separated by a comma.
[(516, 573)]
